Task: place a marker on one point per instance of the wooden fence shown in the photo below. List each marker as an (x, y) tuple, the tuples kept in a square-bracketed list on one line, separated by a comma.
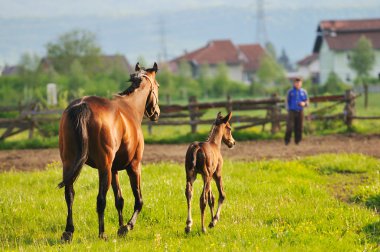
[(32, 117), (274, 108)]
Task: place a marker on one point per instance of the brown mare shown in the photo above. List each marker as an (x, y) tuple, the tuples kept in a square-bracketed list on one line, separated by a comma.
[(205, 158), (106, 135)]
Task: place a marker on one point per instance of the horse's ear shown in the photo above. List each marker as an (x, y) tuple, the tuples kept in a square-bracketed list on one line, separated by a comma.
[(227, 118), (137, 67), (155, 67), (219, 115)]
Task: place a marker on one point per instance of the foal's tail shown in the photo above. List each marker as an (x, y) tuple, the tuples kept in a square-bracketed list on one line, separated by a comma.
[(79, 114), (193, 156)]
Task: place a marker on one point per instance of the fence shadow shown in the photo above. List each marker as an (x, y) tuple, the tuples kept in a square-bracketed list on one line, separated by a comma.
[(372, 232)]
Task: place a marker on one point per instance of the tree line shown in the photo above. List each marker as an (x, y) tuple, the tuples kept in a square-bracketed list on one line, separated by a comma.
[(73, 61)]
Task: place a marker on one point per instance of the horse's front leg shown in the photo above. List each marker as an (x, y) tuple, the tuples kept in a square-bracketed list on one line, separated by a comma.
[(134, 173)]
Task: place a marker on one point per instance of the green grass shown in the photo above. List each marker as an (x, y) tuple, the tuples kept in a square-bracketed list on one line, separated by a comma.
[(271, 206)]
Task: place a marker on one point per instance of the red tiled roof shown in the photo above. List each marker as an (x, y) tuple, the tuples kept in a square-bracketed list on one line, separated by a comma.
[(343, 34), (254, 53), (219, 51), (348, 41), (350, 25), (308, 59), (214, 52)]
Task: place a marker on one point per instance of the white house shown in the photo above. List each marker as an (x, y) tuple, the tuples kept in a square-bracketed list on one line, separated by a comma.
[(335, 41), (308, 67)]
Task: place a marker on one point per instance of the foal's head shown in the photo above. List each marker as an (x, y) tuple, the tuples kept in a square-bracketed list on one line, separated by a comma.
[(222, 125)]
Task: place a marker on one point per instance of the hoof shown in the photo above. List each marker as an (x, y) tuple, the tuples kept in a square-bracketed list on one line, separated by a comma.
[(123, 230), (204, 230), (67, 237), (211, 225), (103, 236), (187, 229)]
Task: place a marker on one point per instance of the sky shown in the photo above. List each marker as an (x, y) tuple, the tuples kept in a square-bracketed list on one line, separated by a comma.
[(141, 28), (119, 8)]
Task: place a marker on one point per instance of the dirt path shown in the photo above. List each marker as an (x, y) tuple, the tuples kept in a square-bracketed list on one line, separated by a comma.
[(251, 150)]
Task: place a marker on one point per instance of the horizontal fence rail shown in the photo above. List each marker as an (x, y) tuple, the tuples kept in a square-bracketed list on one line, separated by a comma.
[(32, 116)]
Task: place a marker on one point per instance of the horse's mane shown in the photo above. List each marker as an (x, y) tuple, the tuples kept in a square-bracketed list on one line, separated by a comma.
[(136, 79), (213, 127)]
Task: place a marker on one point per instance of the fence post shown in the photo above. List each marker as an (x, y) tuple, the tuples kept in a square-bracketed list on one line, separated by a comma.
[(275, 114), (193, 111), (150, 130), (229, 104), (31, 129), (167, 96), (349, 108)]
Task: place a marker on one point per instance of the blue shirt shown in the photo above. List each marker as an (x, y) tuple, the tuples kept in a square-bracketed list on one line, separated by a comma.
[(294, 97)]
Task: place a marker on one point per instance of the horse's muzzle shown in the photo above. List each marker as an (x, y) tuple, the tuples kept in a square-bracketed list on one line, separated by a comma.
[(154, 117), (231, 144)]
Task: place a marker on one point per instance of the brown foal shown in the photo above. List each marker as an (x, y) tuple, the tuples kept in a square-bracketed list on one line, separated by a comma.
[(106, 135), (205, 158)]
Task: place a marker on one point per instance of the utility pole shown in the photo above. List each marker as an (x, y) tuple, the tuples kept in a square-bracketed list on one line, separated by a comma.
[(164, 54), (261, 31)]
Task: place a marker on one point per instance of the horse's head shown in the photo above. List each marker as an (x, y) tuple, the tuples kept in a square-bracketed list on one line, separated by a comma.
[(224, 124), (152, 110)]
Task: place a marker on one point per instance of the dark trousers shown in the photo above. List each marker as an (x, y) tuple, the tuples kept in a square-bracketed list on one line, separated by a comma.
[(294, 122)]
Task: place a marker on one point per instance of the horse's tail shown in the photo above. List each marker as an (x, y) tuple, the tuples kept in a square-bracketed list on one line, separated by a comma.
[(78, 114), (195, 152)]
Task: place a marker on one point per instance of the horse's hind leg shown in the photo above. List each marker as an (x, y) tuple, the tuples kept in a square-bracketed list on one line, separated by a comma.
[(104, 184), (67, 236), (203, 201), (119, 201), (211, 200), (189, 194), (134, 173), (222, 196)]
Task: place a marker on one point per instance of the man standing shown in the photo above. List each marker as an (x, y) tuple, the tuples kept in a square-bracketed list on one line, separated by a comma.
[(296, 100)]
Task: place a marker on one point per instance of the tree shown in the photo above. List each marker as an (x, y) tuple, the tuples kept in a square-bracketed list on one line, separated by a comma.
[(270, 73), (75, 45), (29, 62), (284, 61), (221, 80), (334, 84), (271, 50), (77, 80), (165, 79), (205, 80), (29, 76), (185, 83), (141, 60), (362, 61)]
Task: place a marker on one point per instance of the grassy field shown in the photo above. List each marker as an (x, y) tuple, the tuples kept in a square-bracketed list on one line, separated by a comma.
[(321, 203)]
